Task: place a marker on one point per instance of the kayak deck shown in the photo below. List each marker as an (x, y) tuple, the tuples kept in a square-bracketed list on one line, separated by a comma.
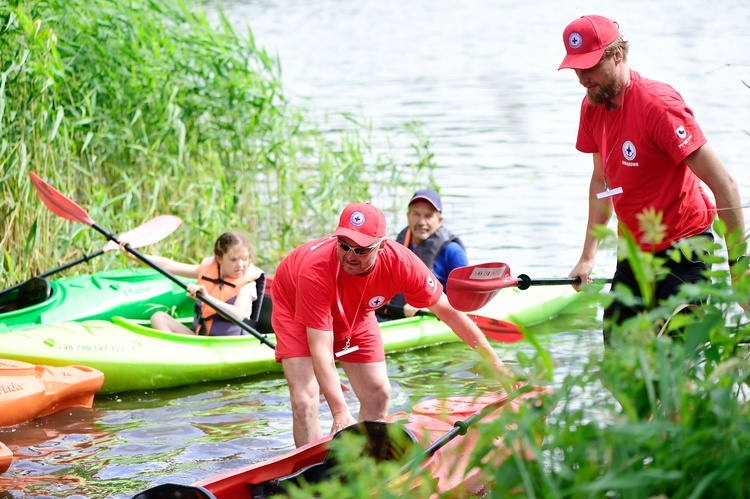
[(28, 391), (135, 293)]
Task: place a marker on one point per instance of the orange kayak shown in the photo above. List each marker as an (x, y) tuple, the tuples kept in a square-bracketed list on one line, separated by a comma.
[(6, 457), (28, 391), (440, 430)]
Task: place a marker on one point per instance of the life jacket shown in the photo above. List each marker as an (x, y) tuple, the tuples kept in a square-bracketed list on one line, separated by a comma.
[(430, 248), (427, 251), (207, 320)]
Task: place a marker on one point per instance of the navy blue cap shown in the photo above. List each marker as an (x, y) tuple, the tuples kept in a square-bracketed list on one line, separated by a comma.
[(431, 197)]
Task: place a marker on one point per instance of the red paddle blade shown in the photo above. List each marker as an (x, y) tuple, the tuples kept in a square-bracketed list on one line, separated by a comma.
[(472, 287), (58, 203), (495, 329), (148, 233)]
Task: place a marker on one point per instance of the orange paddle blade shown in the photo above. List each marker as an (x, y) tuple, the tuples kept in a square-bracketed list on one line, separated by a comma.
[(58, 203)]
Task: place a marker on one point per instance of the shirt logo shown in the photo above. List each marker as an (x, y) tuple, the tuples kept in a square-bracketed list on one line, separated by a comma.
[(628, 150), (376, 301), (681, 132), (357, 219), (575, 40), (430, 282)]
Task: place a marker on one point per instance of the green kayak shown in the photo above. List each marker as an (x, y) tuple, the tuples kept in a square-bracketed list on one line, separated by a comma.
[(99, 321), (135, 293)]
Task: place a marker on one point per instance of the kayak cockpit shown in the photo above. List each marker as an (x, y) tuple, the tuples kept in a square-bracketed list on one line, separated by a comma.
[(384, 441)]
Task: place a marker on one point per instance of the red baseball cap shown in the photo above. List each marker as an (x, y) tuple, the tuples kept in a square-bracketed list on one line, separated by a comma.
[(362, 223), (585, 41)]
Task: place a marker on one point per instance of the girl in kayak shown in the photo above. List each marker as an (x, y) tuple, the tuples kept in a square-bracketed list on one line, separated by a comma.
[(229, 276)]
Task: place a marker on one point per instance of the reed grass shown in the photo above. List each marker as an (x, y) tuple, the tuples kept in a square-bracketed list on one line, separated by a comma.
[(135, 109)]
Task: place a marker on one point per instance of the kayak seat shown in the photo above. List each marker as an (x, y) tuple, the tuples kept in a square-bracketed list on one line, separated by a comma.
[(260, 286), (33, 292), (384, 442)]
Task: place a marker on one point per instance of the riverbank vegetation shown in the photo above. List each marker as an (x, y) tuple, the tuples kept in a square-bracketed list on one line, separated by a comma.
[(135, 109)]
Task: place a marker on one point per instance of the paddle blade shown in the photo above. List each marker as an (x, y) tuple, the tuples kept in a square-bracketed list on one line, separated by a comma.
[(57, 203), (472, 287), (497, 330), (148, 233)]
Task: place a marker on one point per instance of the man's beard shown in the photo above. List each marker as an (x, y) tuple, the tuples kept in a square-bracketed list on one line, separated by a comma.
[(606, 92)]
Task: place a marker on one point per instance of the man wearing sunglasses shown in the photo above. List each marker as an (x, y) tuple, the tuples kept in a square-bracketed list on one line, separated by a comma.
[(325, 294)]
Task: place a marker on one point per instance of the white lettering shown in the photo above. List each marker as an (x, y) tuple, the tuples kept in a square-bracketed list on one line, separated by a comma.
[(686, 142)]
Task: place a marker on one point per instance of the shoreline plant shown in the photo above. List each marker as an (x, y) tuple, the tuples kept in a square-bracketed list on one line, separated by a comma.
[(136, 109)]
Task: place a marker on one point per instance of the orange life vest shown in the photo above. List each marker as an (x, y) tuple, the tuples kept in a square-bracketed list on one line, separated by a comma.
[(207, 321)]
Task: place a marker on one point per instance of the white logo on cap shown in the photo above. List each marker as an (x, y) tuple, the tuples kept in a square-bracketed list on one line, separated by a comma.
[(357, 219), (628, 150), (575, 40)]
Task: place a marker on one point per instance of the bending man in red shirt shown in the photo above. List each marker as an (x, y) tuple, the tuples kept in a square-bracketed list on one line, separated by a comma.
[(325, 293)]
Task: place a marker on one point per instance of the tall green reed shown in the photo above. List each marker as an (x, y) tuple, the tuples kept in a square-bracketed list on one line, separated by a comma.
[(140, 108)]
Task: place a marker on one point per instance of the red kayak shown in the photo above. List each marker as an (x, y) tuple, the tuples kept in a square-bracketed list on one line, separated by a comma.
[(440, 429)]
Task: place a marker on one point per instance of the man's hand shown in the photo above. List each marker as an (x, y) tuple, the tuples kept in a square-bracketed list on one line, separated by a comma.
[(341, 420)]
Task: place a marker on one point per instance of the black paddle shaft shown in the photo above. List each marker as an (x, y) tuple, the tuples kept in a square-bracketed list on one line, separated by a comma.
[(84, 258), (525, 281), (211, 302)]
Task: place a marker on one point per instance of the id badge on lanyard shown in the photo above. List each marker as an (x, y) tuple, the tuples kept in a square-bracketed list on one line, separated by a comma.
[(605, 158)]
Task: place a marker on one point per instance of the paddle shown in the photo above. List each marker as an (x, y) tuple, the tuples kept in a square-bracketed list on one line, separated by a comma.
[(60, 205), (146, 234), (472, 287), (459, 428)]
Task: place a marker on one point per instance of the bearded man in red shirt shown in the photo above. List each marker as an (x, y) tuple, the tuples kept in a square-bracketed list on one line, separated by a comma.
[(650, 157)]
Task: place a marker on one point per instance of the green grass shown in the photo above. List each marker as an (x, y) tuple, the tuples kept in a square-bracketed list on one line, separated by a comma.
[(140, 108)]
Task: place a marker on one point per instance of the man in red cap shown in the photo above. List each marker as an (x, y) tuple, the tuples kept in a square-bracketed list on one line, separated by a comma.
[(650, 157), (325, 293)]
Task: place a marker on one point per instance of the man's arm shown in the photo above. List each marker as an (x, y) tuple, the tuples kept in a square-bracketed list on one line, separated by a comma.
[(708, 167), (321, 352), (470, 334), (600, 211)]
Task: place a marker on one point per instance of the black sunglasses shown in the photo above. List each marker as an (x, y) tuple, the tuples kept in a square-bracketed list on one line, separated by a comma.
[(358, 250)]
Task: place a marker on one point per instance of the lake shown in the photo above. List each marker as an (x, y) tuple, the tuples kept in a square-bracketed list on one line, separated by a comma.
[(481, 77)]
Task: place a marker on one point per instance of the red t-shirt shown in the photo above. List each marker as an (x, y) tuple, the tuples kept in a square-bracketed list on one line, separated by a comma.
[(647, 140), (308, 285)]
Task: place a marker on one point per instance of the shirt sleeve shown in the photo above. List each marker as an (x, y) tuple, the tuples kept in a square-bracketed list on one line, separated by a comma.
[(676, 131), (452, 256)]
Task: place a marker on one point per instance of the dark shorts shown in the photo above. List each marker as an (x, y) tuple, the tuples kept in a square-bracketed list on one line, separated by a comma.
[(690, 269)]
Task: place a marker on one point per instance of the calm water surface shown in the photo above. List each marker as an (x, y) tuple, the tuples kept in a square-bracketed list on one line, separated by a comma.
[(481, 78)]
